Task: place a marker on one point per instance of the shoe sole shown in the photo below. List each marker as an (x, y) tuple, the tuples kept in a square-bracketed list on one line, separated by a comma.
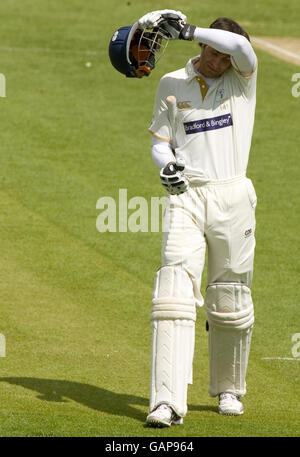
[(160, 424), (231, 413)]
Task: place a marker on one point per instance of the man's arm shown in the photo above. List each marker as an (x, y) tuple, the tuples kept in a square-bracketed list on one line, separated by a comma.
[(243, 57)]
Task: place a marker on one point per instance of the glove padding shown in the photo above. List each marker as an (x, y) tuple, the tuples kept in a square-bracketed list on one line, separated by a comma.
[(169, 20), (187, 32), (173, 179), (176, 29)]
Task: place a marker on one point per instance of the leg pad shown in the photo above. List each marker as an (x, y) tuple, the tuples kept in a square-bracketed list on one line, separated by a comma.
[(231, 317), (173, 319)]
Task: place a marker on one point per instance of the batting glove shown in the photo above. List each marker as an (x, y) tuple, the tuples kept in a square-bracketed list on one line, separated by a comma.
[(173, 179), (170, 20)]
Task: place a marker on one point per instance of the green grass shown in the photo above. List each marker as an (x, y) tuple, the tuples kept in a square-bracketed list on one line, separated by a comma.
[(75, 303)]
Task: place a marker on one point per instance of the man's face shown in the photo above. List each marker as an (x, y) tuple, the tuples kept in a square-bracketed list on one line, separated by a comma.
[(212, 63)]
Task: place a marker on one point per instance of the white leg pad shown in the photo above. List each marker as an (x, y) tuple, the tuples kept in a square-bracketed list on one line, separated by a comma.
[(172, 353), (231, 317), (173, 295), (173, 319)]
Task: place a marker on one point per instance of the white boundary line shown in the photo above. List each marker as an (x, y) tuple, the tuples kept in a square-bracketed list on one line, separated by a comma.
[(281, 358), (269, 45)]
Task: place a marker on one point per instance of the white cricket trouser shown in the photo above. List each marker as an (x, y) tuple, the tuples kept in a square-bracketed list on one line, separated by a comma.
[(219, 216)]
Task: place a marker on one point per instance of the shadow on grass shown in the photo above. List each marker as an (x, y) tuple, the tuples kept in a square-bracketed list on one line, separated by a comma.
[(91, 396)]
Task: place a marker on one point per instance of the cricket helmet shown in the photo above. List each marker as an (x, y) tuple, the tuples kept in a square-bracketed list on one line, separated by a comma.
[(134, 52)]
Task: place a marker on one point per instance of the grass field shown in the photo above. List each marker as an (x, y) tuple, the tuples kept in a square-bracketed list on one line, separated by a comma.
[(75, 302)]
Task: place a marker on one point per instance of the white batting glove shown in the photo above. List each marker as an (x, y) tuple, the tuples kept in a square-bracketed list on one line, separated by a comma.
[(173, 179), (156, 18)]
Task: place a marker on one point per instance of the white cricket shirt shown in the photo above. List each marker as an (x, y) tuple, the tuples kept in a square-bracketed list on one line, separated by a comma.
[(213, 126)]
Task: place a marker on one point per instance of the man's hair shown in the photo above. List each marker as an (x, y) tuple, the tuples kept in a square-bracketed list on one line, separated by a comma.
[(225, 23)]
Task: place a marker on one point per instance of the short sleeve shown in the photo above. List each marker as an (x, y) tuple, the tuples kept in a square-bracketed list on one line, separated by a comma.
[(247, 84), (160, 125)]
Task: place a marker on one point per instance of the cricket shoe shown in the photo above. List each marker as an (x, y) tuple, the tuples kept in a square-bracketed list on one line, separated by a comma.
[(230, 404), (163, 416)]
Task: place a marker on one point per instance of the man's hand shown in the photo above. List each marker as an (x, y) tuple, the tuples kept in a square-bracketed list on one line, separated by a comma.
[(170, 20), (173, 179)]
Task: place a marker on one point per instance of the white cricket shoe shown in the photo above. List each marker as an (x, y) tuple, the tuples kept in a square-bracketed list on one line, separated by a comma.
[(163, 416), (230, 404)]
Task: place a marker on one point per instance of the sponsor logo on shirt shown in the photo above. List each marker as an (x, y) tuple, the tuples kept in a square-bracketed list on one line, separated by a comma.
[(212, 123), (184, 105)]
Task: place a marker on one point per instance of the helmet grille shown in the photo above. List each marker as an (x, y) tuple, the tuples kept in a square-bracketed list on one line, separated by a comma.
[(146, 48)]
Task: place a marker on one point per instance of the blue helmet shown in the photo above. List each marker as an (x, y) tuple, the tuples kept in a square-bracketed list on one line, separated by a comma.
[(132, 51)]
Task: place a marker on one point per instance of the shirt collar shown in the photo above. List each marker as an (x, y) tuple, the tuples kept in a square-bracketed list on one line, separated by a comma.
[(190, 70)]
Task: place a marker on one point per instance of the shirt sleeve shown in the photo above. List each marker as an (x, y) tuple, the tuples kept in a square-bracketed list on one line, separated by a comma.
[(161, 152), (160, 124), (247, 84)]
